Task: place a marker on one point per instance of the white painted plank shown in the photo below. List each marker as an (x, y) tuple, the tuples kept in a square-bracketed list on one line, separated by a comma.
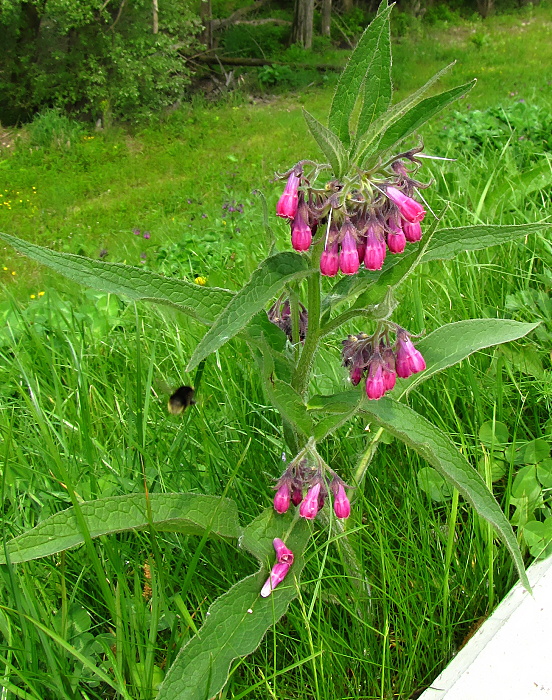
[(510, 655)]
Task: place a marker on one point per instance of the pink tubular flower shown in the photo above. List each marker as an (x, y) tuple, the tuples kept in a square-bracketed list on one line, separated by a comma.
[(375, 250), (348, 257), (375, 386), (356, 375), (342, 507), (409, 360), (282, 499), (329, 261), (412, 232), (410, 209), (309, 507), (277, 575), (389, 373), (301, 235), (287, 204), (284, 555), (396, 240)]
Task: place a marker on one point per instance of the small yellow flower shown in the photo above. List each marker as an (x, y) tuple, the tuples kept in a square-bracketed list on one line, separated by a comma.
[(224, 223), (14, 272), (41, 294), (201, 280), (33, 296), (4, 268)]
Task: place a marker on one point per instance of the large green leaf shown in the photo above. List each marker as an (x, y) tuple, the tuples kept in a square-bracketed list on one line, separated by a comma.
[(452, 343), (188, 513), (443, 348), (365, 141), (267, 280), (290, 404), (437, 448), (368, 65), (237, 621), (448, 242), (417, 116), (202, 303), (329, 144)]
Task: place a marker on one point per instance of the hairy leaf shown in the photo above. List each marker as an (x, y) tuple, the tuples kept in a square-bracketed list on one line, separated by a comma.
[(417, 116), (237, 621), (202, 303), (329, 144), (369, 65), (364, 142), (437, 448), (188, 513), (448, 242), (454, 342), (267, 280)]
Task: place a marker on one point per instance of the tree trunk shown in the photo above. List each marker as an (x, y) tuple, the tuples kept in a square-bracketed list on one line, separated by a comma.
[(326, 17), (155, 27), (205, 14), (301, 32)]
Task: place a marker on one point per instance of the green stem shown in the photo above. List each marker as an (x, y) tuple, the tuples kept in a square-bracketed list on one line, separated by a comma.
[(301, 376), (366, 458), (448, 553)]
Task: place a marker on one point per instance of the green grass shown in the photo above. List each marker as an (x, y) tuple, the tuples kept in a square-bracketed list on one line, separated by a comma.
[(82, 399)]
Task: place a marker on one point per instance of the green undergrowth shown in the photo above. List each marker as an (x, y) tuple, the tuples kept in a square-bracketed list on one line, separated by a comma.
[(85, 378)]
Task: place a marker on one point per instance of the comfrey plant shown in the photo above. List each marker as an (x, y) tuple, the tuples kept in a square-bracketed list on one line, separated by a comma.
[(359, 216)]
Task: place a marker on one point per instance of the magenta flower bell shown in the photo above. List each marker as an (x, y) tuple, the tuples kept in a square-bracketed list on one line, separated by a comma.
[(410, 209), (412, 232), (282, 499), (348, 257), (310, 506), (341, 504), (329, 260), (409, 360), (301, 235), (288, 202), (284, 560), (375, 385)]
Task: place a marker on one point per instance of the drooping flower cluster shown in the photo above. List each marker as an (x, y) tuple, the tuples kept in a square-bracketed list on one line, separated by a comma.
[(306, 486), (284, 560), (361, 218), (380, 362), (280, 314)]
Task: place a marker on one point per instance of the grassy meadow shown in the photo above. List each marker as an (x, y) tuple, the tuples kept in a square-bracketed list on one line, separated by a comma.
[(84, 381)]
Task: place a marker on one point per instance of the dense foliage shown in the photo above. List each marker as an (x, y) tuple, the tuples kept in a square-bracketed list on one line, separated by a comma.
[(100, 59)]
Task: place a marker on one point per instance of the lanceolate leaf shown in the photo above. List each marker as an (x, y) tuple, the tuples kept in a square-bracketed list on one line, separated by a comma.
[(364, 141), (434, 446), (443, 348), (188, 513), (329, 144), (419, 115), (202, 303), (237, 621), (369, 64), (290, 405), (265, 283), (454, 342), (448, 242)]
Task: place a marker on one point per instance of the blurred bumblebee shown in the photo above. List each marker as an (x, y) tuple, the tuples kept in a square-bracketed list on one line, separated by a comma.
[(181, 399)]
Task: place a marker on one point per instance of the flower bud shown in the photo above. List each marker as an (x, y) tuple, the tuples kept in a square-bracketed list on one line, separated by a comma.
[(396, 240)]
